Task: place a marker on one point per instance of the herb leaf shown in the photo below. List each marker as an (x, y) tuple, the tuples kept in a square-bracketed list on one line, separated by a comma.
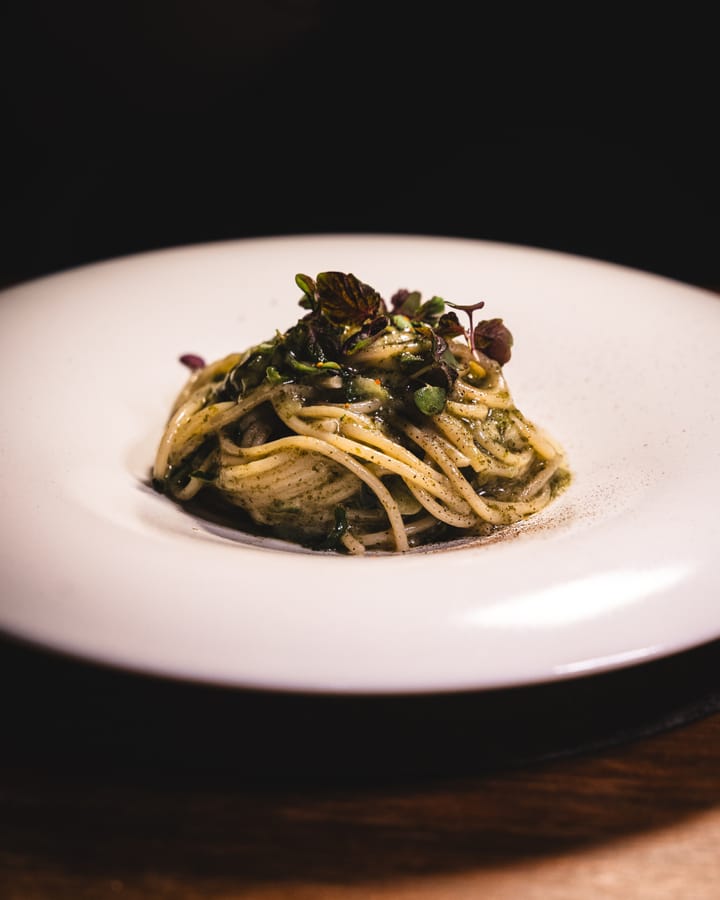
[(449, 325), (405, 302), (494, 339), (430, 399), (308, 287), (345, 300), (192, 361)]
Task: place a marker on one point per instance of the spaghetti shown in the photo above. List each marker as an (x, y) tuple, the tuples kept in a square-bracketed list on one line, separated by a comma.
[(368, 425)]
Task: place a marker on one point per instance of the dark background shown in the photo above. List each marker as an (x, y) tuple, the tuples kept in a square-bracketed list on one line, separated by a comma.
[(136, 126)]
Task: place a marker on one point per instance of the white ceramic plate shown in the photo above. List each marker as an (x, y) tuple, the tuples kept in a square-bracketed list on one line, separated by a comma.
[(622, 367)]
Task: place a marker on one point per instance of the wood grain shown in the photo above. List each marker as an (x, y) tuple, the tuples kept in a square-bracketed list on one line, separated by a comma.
[(634, 822)]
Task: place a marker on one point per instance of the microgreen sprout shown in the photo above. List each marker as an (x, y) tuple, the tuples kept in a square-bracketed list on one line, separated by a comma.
[(470, 333), (192, 361)]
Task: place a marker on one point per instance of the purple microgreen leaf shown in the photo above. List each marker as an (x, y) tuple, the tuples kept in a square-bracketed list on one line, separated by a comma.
[(469, 311), (494, 339), (443, 366), (405, 303), (345, 300), (192, 361), (449, 325), (313, 337)]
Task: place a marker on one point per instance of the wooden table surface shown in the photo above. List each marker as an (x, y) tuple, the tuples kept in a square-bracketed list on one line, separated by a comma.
[(113, 784)]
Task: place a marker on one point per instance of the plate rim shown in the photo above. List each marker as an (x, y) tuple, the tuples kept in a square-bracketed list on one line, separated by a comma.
[(414, 685)]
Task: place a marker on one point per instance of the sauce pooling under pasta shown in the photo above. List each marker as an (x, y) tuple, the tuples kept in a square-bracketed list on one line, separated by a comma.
[(368, 425)]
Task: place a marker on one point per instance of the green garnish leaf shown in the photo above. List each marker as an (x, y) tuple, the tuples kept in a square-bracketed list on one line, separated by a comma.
[(410, 360), (308, 368), (308, 287), (430, 399), (430, 311)]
